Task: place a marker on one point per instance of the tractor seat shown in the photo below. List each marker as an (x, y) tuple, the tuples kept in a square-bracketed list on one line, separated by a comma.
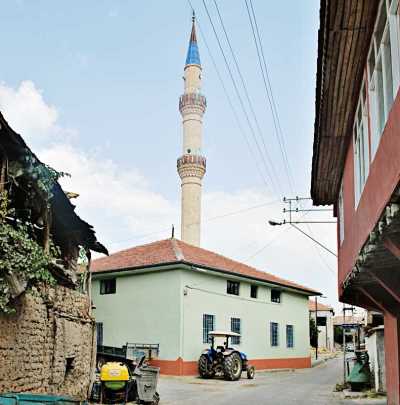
[(221, 348)]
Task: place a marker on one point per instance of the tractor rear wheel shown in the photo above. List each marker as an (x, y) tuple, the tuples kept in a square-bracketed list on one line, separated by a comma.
[(205, 367), (232, 367)]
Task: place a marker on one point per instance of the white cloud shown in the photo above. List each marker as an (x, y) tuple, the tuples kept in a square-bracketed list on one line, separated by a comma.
[(25, 108), (120, 203)]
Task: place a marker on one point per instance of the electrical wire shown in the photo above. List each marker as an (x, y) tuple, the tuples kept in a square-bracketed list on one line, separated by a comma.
[(269, 92), (234, 112), (245, 91), (253, 207), (240, 98)]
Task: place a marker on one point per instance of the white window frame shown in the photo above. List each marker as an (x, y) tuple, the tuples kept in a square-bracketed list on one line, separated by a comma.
[(361, 145), (205, 319), (376, 76), (236, 340), (341, 214), (290, 343), (271, 334)]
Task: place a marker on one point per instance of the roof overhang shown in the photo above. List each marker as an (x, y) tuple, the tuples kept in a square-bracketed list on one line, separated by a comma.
[(343, 42), (184, 265)]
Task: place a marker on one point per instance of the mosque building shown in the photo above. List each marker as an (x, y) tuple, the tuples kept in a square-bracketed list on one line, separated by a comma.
[(173, 292)]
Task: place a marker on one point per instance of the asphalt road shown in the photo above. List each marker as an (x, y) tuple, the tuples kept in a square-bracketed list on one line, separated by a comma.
[(301, 387)]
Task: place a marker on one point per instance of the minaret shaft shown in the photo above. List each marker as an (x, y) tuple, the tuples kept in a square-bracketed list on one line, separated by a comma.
[(192, 165)]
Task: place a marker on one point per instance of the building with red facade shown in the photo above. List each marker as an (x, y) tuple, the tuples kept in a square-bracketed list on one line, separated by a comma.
[(356, 157)]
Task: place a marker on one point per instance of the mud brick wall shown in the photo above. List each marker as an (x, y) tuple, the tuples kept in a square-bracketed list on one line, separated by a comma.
[(46, 347)]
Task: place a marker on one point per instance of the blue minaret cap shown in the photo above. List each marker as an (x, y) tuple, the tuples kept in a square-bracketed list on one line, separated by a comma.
[(193, 56)]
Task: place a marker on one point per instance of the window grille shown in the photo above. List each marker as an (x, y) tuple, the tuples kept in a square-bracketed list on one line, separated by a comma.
[(235, 327), (274, 337), (99, 333), (208, 326), (289, 336)]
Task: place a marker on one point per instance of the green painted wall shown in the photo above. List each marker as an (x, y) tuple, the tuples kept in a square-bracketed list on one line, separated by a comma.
[(206, 294), (167, 307), (144, 309)]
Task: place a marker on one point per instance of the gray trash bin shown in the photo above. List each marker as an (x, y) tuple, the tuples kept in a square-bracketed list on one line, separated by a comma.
[(147, 379)]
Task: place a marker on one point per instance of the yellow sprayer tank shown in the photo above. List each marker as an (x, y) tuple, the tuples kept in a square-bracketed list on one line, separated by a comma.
[(114, 375)]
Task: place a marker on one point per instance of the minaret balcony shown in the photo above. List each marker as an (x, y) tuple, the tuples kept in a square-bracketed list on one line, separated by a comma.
[(191, 166), (192, 102)]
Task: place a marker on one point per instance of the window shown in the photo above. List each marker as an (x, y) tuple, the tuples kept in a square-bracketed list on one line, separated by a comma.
[(361, 146), (383, 68), (253, 291), (235, 327), (232, 287), (321, 320), (274, 334), (341, 214), (289, 336), (99, 333), (275, 296), (108, 286), (208, 326)]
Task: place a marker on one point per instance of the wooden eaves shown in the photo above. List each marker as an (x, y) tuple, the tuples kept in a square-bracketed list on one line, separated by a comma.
[(346, 28)]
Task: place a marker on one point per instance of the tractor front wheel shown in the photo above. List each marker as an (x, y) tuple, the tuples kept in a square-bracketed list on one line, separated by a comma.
[(232, 367), (205, 367), (251, 372)]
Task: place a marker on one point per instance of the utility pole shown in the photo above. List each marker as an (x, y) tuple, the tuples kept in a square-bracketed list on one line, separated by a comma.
[(344, 338), (316, 326)]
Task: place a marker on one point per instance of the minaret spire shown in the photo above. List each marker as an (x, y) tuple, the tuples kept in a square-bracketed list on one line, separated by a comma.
[(192, 165)]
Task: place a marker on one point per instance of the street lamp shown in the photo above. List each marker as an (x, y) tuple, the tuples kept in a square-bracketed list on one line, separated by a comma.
[(276, 223)]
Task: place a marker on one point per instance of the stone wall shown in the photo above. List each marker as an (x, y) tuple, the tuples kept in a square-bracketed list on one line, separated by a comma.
[(47, 346)]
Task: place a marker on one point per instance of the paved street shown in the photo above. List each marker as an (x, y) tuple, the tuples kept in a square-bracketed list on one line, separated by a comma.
[(311, 386)]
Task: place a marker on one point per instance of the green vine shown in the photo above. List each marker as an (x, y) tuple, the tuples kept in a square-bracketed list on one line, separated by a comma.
[(21, 257), (43, 175)]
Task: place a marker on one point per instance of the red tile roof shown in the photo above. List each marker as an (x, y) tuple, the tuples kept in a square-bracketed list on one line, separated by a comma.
[(320, 306), (175, 251)]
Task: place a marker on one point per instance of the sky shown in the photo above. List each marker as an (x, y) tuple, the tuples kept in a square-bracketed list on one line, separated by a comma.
[(93, 88)]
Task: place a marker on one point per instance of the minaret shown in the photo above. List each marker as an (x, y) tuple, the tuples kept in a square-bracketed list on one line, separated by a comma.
[(192, 165)]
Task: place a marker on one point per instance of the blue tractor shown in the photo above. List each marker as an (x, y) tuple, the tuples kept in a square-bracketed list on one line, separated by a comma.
[(223, 360)]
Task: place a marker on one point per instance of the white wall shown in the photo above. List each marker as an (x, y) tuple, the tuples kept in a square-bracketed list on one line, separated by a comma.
[(207, 295), (144, 309)]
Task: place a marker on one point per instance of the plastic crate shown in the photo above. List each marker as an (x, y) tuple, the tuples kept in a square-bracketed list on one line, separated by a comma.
[(147, 379)]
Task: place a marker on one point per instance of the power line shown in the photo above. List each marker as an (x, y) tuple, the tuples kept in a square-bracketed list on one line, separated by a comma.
[(235, 114), (239, 96), (269, 92), (272, 240), (253, 207), (245, 89)]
